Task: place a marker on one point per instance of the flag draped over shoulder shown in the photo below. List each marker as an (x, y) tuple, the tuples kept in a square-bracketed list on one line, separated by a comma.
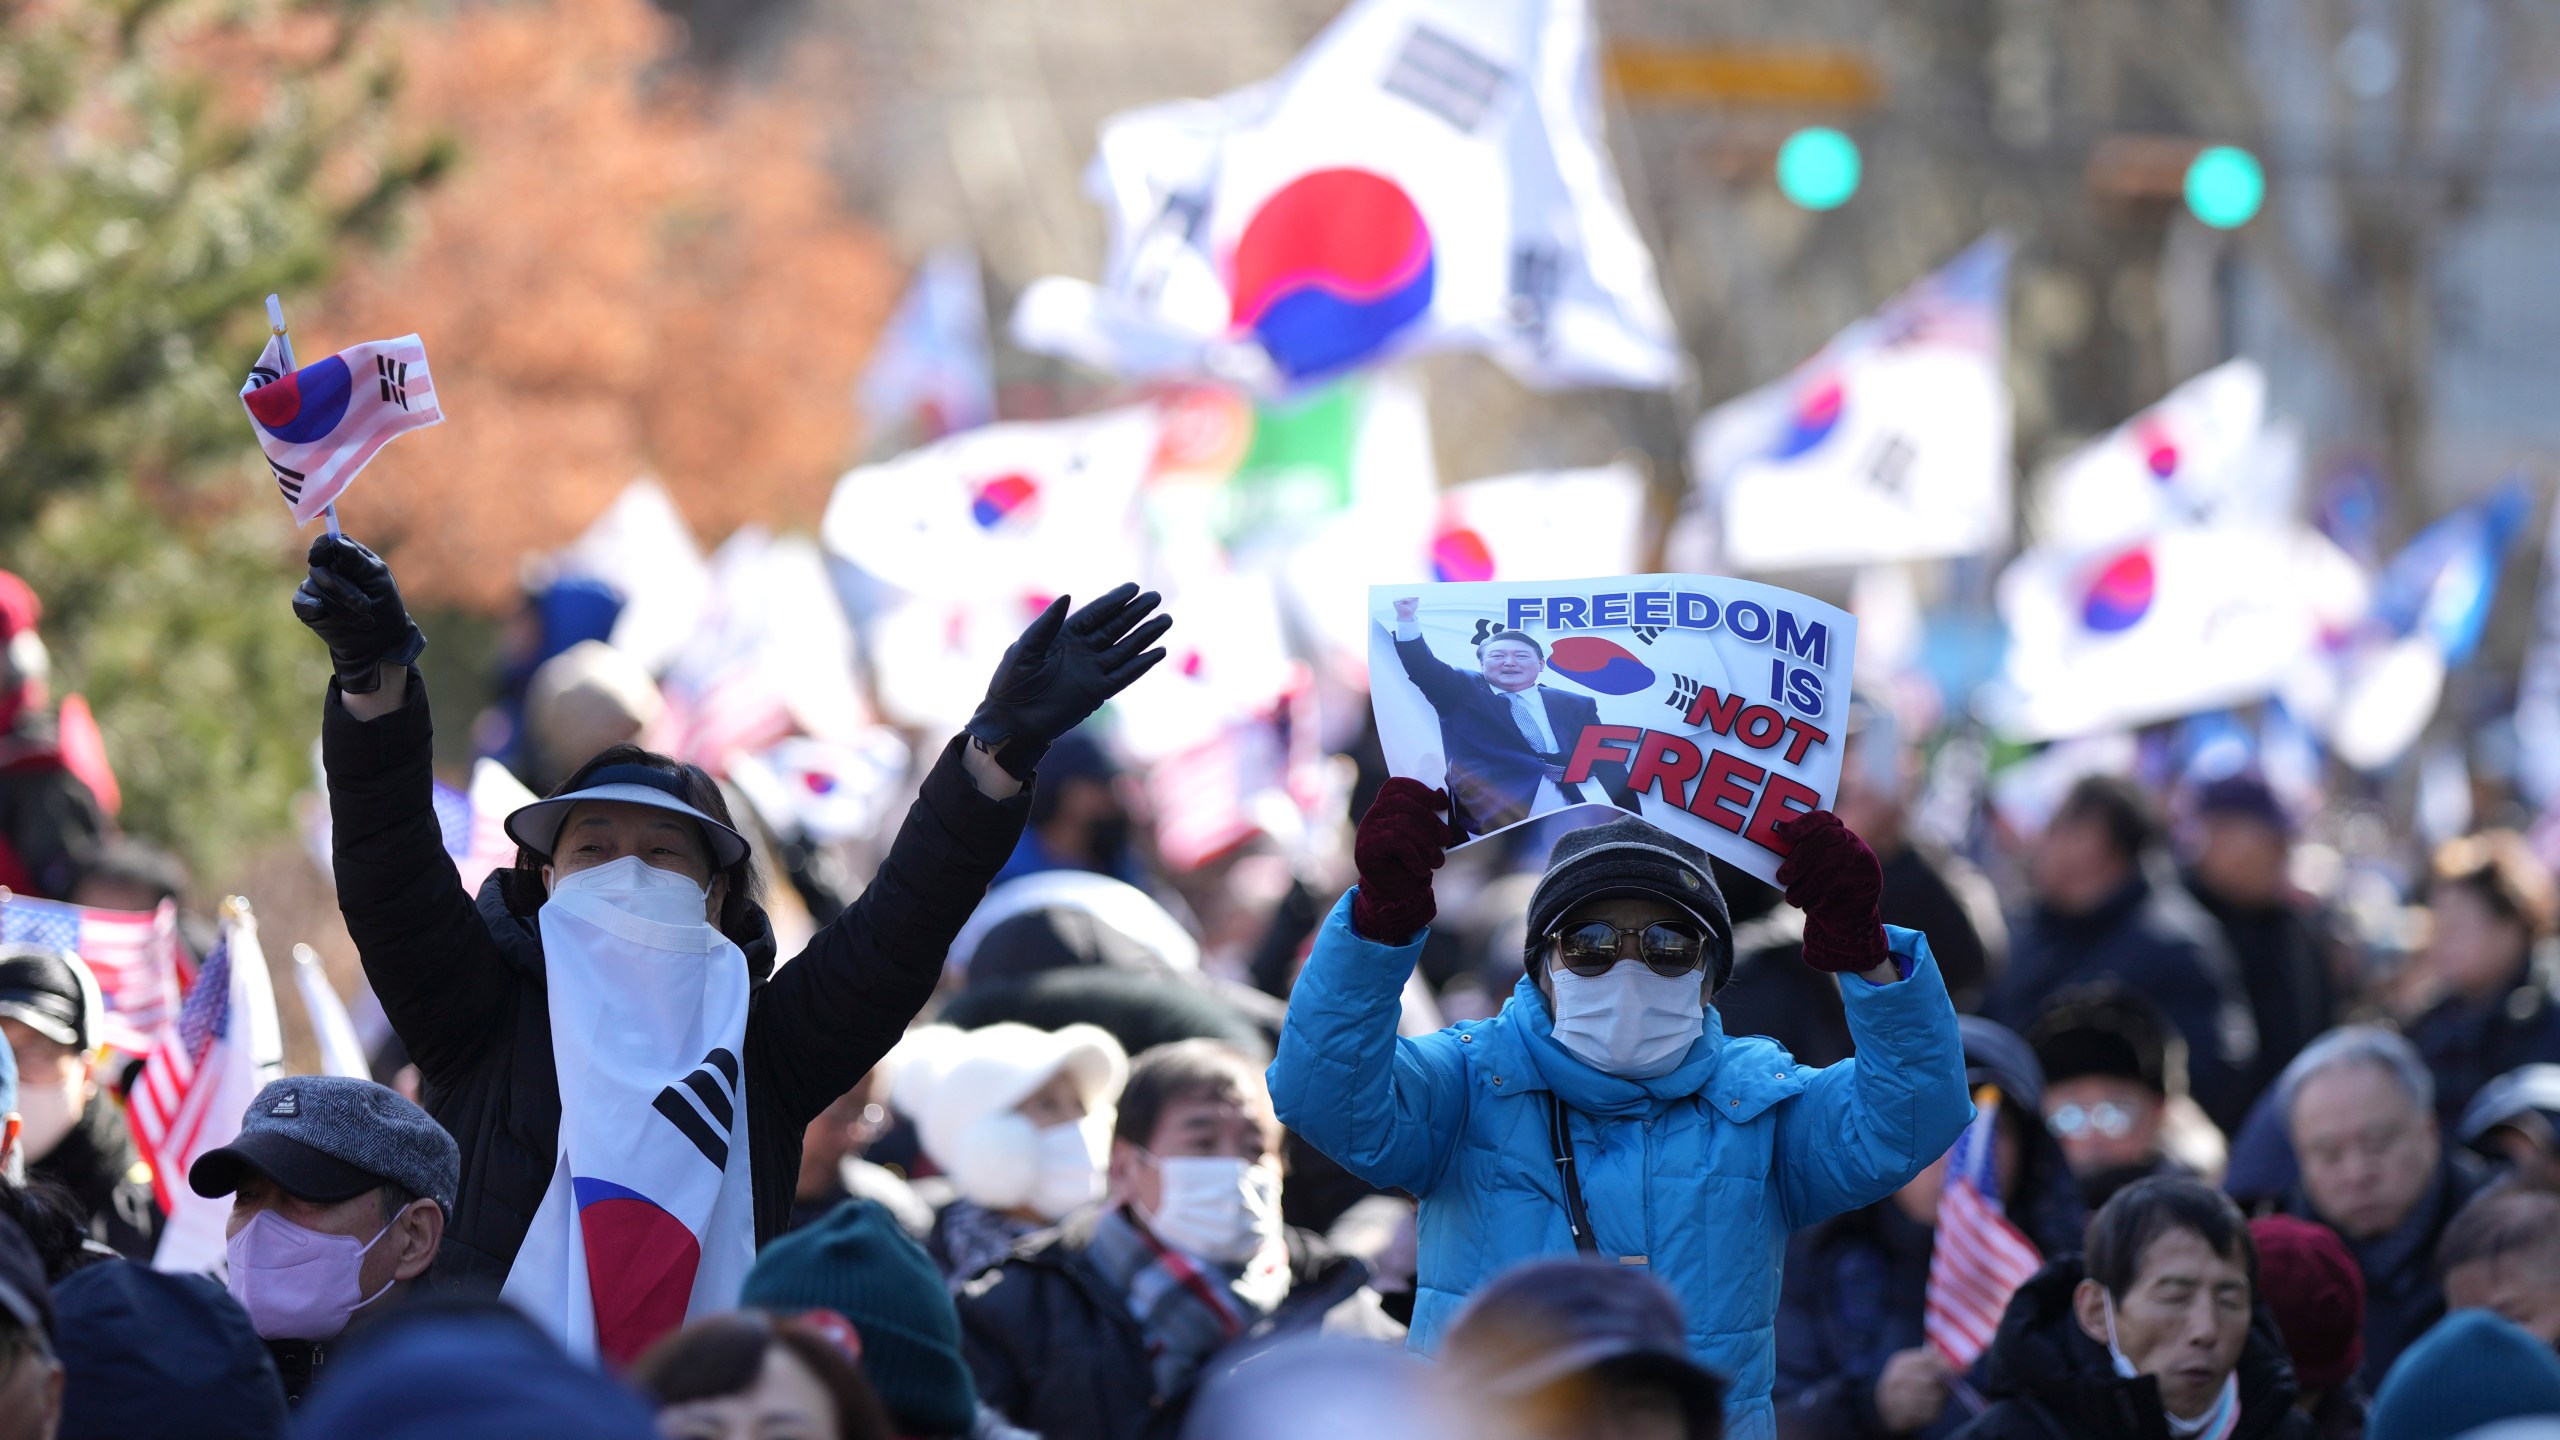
[(1428, 175), (1892, 443), (321, 425), (1979, 1259), (134, 955), (200, 1078)]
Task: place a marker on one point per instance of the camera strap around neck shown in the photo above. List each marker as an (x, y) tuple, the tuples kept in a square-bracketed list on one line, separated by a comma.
[(1577, 1217)]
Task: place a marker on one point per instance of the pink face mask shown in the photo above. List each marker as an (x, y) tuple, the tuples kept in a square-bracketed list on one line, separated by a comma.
[(298, 1283)]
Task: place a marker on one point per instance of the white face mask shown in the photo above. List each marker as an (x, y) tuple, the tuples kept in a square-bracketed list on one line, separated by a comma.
[(1629, 1021), (638, 888), (1217, 1207), (48, 1113), (1071, 1161), (2218, 1418)]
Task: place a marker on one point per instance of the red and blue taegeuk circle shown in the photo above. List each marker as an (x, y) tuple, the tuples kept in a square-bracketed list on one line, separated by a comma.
[(1458, 553), (305, 405), (640, 1265), (992, 502), (1815, 415), (1597, 664), (1329, 269), (2122, 593), (2159, 447)]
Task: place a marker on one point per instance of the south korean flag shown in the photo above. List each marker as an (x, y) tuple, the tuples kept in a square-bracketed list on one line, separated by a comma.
[(320, 425)]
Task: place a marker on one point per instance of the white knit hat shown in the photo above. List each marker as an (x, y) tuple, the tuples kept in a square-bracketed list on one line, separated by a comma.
[(953, 1082)]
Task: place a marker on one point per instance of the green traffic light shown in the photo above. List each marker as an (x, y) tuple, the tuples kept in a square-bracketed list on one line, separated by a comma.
[(1818, 168), (2225, 186)]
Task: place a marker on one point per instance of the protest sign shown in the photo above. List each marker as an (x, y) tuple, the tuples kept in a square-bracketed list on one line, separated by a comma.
[(1712, 707)]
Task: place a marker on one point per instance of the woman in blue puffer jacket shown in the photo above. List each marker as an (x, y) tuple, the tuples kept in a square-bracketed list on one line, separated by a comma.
[(1604, 1109)]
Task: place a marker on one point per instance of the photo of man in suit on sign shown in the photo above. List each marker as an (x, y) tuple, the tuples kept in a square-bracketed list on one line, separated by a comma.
[(1506, 736)]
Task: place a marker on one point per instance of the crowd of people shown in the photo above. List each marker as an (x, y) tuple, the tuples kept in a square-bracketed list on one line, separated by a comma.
[(1577, 1132)]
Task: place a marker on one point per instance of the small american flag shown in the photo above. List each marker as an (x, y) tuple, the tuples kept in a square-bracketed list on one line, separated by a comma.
[(164, 1123), (1980, 1259), (134, 956)]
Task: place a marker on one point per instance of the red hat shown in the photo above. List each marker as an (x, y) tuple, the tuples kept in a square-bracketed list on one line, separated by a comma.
[(19, 607), (2316, 1293)]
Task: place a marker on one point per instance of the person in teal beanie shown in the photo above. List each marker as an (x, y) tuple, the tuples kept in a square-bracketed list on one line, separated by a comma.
[(2474, 1368), (859, 1263)]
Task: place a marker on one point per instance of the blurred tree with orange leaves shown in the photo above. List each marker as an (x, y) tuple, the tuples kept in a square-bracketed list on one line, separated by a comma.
[(629, 273), (163, 165)]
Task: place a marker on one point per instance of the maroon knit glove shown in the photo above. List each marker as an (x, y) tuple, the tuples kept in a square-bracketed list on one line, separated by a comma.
[(1401, 841), (1832, 876)]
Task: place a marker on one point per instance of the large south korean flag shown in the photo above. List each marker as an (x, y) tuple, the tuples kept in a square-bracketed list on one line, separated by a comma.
[(1429, 174)]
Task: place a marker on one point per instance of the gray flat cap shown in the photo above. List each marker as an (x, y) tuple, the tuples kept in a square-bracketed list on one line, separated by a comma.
[(330, 1138)]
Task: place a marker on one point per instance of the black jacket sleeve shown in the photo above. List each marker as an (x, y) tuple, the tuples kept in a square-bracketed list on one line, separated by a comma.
[(429, 955), (829, 1015)]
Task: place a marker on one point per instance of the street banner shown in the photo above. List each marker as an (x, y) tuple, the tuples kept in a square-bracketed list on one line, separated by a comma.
[(322, 424), (1892, 443), (1428, 175), (1712, 707)]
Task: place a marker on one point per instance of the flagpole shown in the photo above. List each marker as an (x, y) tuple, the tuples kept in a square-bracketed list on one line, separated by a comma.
[(284, 352)]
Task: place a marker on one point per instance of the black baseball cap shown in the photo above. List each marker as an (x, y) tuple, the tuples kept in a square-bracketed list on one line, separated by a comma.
[(1627, 857), (1551, 1320), (41, 988)]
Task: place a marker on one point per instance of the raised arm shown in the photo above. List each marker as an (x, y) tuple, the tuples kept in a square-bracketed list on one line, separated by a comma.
[(1388, 1110), (1865, 1126), (1440, 682), (829, 1015), (425, 948)]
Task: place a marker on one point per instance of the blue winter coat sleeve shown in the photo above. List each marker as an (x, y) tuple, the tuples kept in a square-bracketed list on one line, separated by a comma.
[(1864, 1127), (1387, 1109)]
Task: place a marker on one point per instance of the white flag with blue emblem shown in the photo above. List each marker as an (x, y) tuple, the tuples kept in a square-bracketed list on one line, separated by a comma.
[(1890, 444), (1428, 175)]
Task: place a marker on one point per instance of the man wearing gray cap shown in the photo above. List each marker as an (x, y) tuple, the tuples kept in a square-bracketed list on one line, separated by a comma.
[(340, 1190)]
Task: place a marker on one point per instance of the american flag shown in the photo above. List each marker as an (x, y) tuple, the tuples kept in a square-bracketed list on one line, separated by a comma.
[(226, 1043), (134, 955), (164, 1120), (1980, 1259)]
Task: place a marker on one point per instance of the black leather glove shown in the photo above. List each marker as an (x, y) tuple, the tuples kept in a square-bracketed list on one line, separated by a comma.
[(351, 602), (1061, 671)]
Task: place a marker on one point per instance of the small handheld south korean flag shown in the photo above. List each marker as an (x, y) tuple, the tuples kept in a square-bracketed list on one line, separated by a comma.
[(321, 424)]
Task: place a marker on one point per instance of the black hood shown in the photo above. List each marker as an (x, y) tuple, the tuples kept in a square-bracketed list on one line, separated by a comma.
[(2041, 1355)]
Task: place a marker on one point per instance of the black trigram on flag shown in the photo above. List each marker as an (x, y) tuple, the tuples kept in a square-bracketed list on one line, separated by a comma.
[(288, 479), (704, 1105), (394, 376), (1684, 693), (1648, 633), (1445, 77), (1485, 630)]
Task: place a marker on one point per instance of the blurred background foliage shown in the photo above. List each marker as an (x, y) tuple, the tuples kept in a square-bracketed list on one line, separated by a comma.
[(163, 166)]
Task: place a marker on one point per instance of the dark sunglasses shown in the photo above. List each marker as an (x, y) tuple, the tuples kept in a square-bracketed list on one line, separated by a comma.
[(1667, 947)]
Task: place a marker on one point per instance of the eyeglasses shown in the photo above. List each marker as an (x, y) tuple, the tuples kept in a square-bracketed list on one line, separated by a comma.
[(2106, 1118), (1667, 947)]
